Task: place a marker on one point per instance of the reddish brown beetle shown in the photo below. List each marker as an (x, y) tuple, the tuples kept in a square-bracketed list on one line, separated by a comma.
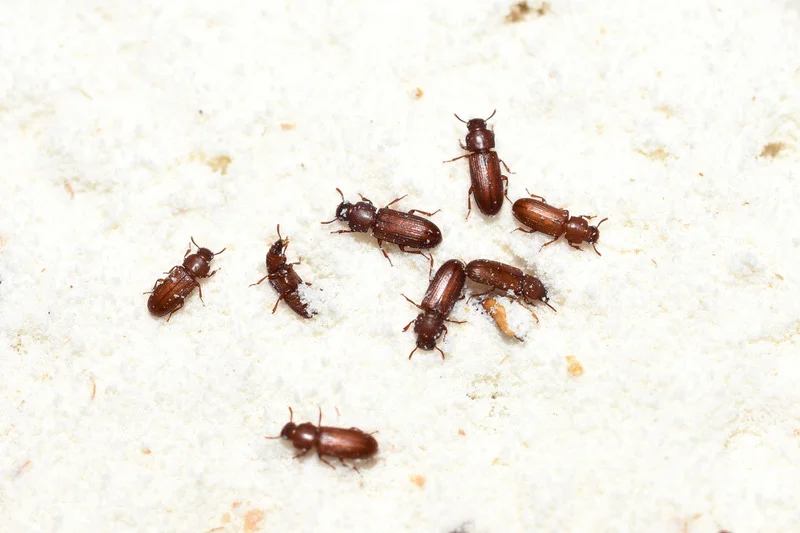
[(283, 278), (169, 294), (334, 442), (524, 287), (403, 229), (484, 167), (444, 291), (537, 214)]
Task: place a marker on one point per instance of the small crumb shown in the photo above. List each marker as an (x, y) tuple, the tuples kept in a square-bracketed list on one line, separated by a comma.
[(253, 519), (498, 313), (778, 276), (418, 93), (573, 366), (200, 111), (701, 174), (418, 480), (146, 451), (24, 467), (462, 433), (219, 164), (659, 154), (225, 518), (94, 387), (69, 190), (520, 10), (236, 505), (772, 149), (287, 126)]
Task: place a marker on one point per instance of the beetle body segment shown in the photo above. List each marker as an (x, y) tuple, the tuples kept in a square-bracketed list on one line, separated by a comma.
[(507, 278), (406, 230), (336, 442), (540, 216), (168, 294), (444, 290), (284, 279), (487, 182)]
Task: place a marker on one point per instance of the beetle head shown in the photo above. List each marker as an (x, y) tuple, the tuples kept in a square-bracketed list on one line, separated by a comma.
[(476, 124), (343, 210), (288, 430), (205, 253), (428, 327)]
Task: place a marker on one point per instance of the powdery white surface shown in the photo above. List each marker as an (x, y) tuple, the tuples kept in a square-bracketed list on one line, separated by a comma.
[(655, 114)]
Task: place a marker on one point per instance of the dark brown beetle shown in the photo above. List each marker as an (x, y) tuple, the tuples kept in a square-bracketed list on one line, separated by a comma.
[(169, 294), (334, 442), (284, 279), (403, 229), (444, 291), (524, 287), (537, 214), (484, 167)]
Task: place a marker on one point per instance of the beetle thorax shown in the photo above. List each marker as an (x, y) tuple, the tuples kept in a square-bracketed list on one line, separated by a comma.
[(428, 326), (275, 257), (198, 264), (304, 436), (577, 230), (532, 289), (480, 139), (361, 216)]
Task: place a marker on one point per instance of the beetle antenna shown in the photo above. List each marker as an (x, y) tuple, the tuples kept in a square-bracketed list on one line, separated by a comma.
[(192, 238), (340, 193), (412, 352), (598, 225), (279, 232), (550, 306), (291, 414), (459, 118), (595, 250), (440, 351), (410, 301), (330, 221), (490, 116)]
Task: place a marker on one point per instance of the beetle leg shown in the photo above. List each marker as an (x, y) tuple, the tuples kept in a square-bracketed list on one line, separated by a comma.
[(455, 321), (175, 310), (199, 288), (344, 231), (418, 252), (324, 461), (440, 351), (482, 294), (301, 454), (380, 245), (548, 243), (259, 281), (423, 212), (410, 301), (457, 158), (520, 302), (575, 246), (213, 272), (276, 303), (525, 230), (506, 166), (536, 196), (587, 217), (505, 192), (469, 203), (395, 201), (408, 325)]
